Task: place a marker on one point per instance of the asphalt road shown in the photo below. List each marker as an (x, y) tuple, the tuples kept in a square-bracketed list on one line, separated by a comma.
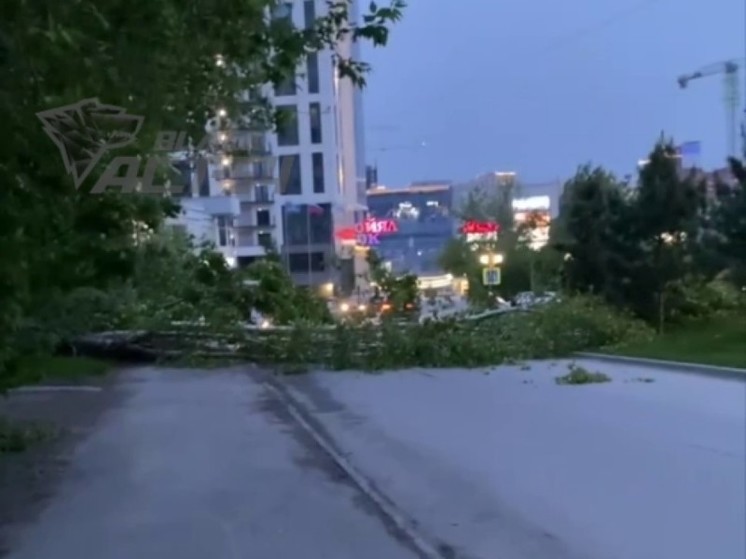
[(508, 464), (199, 465)]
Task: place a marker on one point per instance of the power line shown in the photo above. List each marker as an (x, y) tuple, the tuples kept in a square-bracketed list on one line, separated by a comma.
[(602, 24)]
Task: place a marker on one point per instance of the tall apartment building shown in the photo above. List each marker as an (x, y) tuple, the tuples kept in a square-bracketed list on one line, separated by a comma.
[(304, 181)]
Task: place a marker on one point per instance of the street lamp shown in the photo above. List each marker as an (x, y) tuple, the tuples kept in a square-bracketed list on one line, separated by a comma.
[(491, 259)]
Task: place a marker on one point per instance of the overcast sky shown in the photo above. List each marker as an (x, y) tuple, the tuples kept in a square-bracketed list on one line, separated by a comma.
[(540, 86)]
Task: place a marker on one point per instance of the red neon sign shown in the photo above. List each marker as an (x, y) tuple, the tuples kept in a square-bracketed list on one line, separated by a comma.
[(479, 227), (377, 226), (367, 232)]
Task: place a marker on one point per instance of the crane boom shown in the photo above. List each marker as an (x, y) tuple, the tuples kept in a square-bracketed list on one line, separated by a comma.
[(729, 69)]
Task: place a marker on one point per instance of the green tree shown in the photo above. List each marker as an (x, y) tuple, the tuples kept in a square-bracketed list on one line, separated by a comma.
[(667, 211), (586, 224), (634, 247), (402, 292), (176, 63), (729, 219)]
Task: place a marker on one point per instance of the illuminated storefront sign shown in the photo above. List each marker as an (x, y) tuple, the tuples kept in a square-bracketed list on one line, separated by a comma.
[(367, 233), (480, 231), (479, 227), (537, 219), (538, 222), (532, 203)]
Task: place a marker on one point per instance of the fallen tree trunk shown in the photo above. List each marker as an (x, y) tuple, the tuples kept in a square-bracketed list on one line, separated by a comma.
[(146, 347)]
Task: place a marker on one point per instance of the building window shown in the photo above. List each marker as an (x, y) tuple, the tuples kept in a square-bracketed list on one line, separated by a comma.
[(263, 194), (313, 72), (314, 110), (260, 170), (263, 218), (318, 172), (181, 179), (307, 262), (306, 224), (265, 240), (321, 224), (245, 261), (225, 231), (289, 175), (286, 87), (179, 230), (309, 12), (287, 126), (283, 11), (202, 176)]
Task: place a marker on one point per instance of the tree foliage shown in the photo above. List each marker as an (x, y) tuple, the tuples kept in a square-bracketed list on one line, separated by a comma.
[(156, 58), (638, 247), (729, 217), (402, 292)]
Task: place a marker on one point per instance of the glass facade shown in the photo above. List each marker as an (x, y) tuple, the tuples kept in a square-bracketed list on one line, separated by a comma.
[(425, 224), (306, 225)]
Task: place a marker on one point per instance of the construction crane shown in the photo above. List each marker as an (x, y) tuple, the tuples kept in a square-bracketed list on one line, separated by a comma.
[(729, 69)]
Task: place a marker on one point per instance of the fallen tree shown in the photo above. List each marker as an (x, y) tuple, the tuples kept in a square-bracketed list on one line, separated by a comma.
[(490, 338)]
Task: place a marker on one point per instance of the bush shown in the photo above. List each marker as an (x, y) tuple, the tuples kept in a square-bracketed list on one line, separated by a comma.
[(556, 330), (572, 324), (64, 316), (695, 300)]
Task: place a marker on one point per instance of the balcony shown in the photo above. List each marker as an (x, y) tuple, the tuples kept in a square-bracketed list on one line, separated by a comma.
[(254, 145), (263, 174), (213, 205), (258, 176), (250, 222), (248, 195)]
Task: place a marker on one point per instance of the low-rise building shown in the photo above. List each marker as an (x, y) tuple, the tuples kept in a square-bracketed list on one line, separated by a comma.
[(424, 223), (538, 202)]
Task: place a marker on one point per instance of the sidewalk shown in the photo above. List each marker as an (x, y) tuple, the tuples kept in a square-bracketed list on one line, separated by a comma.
[(731, 373)]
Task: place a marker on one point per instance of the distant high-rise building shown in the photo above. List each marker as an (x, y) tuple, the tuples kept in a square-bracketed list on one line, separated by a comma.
[(315, 183), (371, 177)]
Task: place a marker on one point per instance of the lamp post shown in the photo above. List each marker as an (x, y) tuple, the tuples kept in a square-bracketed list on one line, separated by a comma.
[(491, 259), (491, 275)]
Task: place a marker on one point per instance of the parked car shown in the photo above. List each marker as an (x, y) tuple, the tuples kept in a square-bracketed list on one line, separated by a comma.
[(523, 299), (529, 299)]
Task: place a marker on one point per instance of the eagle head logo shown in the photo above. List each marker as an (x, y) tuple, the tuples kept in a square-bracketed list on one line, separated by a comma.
[(85, 130)]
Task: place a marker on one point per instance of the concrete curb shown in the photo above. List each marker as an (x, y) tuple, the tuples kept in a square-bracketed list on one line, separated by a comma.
[(50, 388), (407, 527), (729, 373)]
